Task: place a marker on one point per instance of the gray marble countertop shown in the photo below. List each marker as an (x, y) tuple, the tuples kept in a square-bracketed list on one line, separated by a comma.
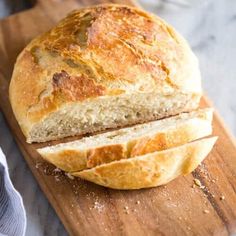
[(210, 28)]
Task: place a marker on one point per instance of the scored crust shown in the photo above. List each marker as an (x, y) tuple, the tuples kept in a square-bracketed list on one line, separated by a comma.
[(101, 52), (168, 133), (150, 170)]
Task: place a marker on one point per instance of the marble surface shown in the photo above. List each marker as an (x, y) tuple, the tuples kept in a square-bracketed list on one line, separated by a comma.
[(210, 28)]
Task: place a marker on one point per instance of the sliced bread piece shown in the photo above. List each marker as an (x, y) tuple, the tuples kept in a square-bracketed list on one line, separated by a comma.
[(152, 169), (129, 142)]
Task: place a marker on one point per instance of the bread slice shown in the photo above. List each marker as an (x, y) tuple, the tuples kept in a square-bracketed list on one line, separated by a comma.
[(104, 66), (129, 142), (152, 169)]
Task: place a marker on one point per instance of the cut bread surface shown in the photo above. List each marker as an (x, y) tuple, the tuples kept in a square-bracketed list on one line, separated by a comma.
[(152, 169), (109, 112), (129, 142)]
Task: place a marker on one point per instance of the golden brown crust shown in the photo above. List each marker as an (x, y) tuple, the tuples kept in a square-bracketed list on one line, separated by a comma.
[(162, 140), (150, 170), (106, 154), (24, 89), (106, 50), (68, 159), (75, 88)]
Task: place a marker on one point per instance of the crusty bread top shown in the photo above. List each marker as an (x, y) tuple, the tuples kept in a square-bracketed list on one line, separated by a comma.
[(105, 50)]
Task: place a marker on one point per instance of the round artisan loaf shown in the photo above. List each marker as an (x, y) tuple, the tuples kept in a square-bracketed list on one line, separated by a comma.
[(101, 67)]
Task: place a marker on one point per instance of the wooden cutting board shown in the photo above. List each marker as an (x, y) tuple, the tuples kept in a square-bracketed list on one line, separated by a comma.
[(180, 208)]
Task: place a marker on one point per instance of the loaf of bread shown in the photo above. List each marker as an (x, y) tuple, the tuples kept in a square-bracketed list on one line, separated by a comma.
[(102, 67), (112, 66), (152, 169), (129, 142)]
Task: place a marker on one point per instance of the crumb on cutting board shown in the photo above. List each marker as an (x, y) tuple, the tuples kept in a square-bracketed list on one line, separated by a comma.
[(69, 176), (198, 183), (222, 197), (206, 211)]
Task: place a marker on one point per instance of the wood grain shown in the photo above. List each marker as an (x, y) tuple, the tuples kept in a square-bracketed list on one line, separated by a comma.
[(180, 208)]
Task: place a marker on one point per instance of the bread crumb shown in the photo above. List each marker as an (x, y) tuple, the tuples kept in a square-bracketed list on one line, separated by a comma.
[(222, 198), (70, 176), (57, 170), (57, 178), (138, 202), (206, 211), (126, 209), (198, 183), (38, 165), (98, 206)]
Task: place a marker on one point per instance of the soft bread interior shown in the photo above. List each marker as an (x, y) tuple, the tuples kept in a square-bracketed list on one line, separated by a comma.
[(152, 169), (110, 112), (128, 142)]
